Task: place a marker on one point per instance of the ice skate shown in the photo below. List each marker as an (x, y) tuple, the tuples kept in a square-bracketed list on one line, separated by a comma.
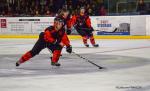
[(86, 45), (17, 64), (96, 45), (55, 64)]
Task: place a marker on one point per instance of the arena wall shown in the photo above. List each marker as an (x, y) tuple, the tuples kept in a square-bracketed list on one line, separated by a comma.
[(104, 25)]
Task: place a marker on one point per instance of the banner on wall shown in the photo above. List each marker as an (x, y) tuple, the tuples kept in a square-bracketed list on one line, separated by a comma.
[(112, 25), (104, 25), (3, 23), (25, 24), (39, 26)]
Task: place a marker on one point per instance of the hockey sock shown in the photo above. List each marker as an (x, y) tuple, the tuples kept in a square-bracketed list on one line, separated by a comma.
[(84, 39), (25, 57), (92, 40), (56, 55)]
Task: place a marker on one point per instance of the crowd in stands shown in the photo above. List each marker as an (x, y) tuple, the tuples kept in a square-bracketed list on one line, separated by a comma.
[(51, 7), (143, 8)]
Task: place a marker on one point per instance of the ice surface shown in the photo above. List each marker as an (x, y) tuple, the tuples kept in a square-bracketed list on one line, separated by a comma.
[(127, 63)]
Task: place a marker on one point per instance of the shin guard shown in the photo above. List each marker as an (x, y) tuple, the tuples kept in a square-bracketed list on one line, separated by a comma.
[(25, 57)]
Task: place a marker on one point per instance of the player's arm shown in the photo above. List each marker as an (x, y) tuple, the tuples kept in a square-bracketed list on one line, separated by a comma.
[(70, 23), (88, 22), (65, 41), (69, 26), (73, 19)]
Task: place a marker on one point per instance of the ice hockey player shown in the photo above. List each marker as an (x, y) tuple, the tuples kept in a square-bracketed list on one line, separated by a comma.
[(64, 14), (54, 38), (82, 24)]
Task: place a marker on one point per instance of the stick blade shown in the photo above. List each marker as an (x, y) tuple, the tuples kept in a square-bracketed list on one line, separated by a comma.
[(102, 68)]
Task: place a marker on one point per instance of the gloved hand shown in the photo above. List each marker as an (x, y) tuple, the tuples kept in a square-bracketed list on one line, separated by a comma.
[(68, 31), (69, 49)]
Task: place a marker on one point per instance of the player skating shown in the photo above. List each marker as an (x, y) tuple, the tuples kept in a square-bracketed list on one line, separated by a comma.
[(54, 38), (64, 14), (82, 24)]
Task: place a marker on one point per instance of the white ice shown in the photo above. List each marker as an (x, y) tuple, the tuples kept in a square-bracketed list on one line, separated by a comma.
[(129, 79)]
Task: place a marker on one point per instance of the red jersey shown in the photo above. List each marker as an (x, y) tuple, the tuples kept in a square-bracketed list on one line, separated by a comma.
[(81, 21), (53, 36)]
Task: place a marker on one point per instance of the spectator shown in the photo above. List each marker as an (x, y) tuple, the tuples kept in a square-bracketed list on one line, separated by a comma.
[(48, 13), (141, 7), (94, 9), (9, 12), (102, 11), (45, 7), (37, 13), (90, 12), (31, 12), (3, 13)]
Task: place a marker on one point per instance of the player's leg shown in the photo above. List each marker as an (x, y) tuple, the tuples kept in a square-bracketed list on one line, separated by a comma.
[(91, 37), (56, 50), (84, 38), (92, 40), (39, 45), (82, 32)]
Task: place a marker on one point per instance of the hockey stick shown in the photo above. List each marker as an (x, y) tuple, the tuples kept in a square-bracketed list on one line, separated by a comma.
[(87, 60)]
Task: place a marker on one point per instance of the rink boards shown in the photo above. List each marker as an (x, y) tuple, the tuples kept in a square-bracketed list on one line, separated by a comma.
[(104, 25)]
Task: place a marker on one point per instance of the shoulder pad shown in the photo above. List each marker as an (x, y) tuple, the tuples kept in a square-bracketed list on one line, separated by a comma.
[(50, 28)]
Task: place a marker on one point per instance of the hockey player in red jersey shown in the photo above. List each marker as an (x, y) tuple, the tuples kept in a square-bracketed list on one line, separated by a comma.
[(82, 24), (54, 38), (64, 14)]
